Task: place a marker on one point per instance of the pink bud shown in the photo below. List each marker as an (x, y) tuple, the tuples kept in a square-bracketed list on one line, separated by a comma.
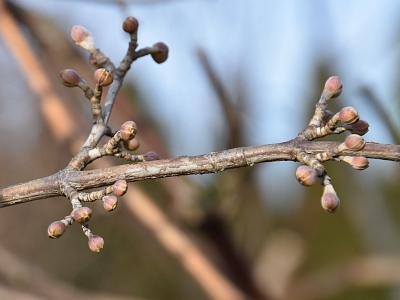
[(82, 214), (82, 37), (151, 155), (334, 86), (354, 142), (109, 202), (56, 229), (306, 175), (70, 78), (79, 33), (348, 115), (96, 243), (330, 202), (357, 162), (120, 187), (128, 130)]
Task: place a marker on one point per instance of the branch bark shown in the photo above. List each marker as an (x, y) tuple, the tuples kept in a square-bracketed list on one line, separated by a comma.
[(212, 162)]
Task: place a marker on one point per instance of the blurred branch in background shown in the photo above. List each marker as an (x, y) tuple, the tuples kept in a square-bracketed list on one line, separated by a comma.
[(183, 249), (60, 122), (230, 112), (378, 108)]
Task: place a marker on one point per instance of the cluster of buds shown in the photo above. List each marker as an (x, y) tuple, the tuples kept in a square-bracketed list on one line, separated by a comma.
[(125, 137), (324, 123), (83, 214)]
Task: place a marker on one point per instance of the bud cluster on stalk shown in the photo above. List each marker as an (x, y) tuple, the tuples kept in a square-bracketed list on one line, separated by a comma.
[(323, 123), (83, 214), (105, 74)]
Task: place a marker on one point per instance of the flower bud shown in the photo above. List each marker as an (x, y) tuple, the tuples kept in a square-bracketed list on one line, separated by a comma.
[(109, 202), (96, 243), (71, 78), (132, 145), (130, 25), (354, 142), (82, 37), (103, 77), (56, 229), (159, 52), (357, 162), (360, 127), (306, 175), (333, 86), (81, 214), (330, 201), (128, 130), (151, 155), (120, 187), (348, 115)]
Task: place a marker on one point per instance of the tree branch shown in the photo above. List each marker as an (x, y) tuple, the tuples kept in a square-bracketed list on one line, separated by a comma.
[(184, 165)]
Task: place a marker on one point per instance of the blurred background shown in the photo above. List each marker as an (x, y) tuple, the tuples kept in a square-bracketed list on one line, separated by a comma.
[(239, 74)]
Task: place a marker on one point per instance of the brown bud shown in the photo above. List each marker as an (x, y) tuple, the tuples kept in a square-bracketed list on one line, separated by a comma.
[(354, 142), (151, 155), (334, 86), (330, 201), (81, 214), (132, 145), (82, 37), (357, 162), (109, 202), (128, 130), (159, 52), (103, 77), (120, 187), (96, 243), (348, 115), (56, 229), (306, 175), (130, 25), (360, 127), (71, 78)]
